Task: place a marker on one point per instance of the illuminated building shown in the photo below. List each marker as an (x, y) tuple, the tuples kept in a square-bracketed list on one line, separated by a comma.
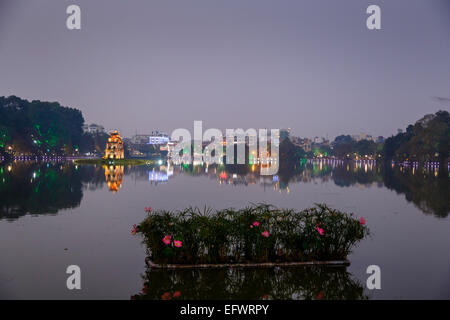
[(114, 146), (158, 138)]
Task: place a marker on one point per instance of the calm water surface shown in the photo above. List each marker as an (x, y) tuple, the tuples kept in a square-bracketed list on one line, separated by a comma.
[(56, 214)]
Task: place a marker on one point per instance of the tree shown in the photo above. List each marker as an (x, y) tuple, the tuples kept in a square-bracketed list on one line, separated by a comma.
[(39, 127), (428, 139)]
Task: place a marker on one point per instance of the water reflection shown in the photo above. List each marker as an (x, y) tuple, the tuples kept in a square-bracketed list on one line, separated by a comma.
[(310, 282), (33, 188), (427, 188), (42, 188), (114, 177)]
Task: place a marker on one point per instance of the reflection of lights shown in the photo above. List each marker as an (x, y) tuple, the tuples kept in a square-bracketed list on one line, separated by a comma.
[(9, 168), (157, 176)]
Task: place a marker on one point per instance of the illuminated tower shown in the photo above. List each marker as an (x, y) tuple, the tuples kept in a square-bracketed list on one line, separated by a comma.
[(114, 146)]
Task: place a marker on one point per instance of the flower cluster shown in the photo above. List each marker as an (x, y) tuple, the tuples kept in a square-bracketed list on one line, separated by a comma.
[(265, 233), (168, 295), (168, 239)]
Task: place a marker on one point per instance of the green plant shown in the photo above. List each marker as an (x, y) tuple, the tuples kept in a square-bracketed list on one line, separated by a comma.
[(258, 233)]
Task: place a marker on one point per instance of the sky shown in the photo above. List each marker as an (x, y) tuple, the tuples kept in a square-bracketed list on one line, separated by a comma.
[(312, 66)]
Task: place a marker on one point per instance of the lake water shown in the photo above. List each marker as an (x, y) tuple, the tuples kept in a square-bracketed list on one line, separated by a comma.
[(56, 214)]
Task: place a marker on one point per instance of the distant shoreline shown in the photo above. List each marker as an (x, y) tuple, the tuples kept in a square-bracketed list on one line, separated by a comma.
[(101, 161)]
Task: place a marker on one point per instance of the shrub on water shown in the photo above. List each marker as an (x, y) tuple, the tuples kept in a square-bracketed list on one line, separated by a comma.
[(258, 233)]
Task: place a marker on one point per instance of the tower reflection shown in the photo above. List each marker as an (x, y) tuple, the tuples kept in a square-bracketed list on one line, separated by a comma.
[(114, 177)]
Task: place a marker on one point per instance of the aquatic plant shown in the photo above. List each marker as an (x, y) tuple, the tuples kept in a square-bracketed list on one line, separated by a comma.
[(193, 236)]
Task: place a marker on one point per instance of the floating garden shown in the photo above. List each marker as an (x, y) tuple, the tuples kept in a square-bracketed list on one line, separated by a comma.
[(259, 234)]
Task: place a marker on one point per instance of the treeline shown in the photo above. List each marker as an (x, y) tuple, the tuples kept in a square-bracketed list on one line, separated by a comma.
[(427, 140), (38, 127), (344, 146), (45, 128)]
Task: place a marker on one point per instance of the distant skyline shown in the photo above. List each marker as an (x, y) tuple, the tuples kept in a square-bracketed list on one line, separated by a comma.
[(311, 66)]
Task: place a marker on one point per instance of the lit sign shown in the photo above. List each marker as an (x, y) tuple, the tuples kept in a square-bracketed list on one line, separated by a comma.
[(158, 140)]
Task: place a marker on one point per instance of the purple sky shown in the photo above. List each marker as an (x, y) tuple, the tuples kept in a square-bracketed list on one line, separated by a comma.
[(310, 65)]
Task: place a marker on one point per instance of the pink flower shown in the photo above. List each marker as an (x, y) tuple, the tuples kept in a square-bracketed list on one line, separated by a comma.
[(167, 239), (133, 230), (177, 243), (362, 221), (176, 294), (256, 223), (320, 231), (265, 234), (166, 296), (251, 226)]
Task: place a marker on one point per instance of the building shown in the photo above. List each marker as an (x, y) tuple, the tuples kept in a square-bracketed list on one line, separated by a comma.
[(93, 128), (114, 146), (158, 137), (362, 136), (140, 139), (155, 138), (304, 143)]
